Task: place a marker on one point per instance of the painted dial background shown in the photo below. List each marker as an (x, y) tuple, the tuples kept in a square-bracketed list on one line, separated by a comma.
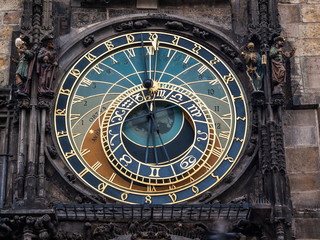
[(123, 62)]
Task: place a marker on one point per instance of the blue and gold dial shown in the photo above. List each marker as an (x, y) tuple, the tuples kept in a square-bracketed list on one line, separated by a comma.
[(151, 117)]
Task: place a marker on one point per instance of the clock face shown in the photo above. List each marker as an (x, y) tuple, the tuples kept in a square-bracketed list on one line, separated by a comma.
[(150, 117)]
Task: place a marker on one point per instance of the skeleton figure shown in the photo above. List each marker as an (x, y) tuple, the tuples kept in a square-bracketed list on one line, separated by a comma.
[(253, 66)]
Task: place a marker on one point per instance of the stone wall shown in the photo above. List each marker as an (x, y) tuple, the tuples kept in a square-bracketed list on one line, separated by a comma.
[(10, 14), (300, 20)]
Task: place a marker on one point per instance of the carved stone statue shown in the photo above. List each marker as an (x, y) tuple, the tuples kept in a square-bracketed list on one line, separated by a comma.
[(47, 63), (24, 66), (254, 68), (278, 60)]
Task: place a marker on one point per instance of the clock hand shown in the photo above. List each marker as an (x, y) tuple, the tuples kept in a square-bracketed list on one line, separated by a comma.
[(154, 142), (144, 58), (158, 132), (148, 137)]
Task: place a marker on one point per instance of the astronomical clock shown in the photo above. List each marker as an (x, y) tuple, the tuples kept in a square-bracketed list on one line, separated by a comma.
[(150, 116)]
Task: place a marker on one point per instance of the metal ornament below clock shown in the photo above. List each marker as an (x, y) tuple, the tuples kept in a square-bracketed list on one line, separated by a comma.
[(151, 117)]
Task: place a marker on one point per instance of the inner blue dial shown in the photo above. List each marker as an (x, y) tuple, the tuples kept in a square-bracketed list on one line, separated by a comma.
[(164, 128)]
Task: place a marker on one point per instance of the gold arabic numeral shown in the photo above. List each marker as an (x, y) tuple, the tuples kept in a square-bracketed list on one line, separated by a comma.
[(91, 58), (97, 69), (75, 72), (131, 52), (62, 134), (70, 154), (230, 159), (77, 99), (196, 48), (186, 59), (109, 45), (226, 116), (85, 82), (214, 61), (175, 40), (224, 134), (65, 91), (151, 188), (154, 172), (124, 196), (61, 112), (102, 186), (195, 190), (130, 38), (228, 78), (173, 197), (202, 69), (148, 199), (74, 116), (171, 187), (85, 151), (114, 61)]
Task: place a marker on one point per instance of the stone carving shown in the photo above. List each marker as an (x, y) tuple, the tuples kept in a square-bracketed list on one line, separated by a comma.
[(176, 26), (44, 102), (198, 33), (254, 66), (278, 59), (52, 151), (5, 229), (88, 40), (131, 25), (233, 55), (70, 176), (27, 226), (141, 24), (68, 236), (47, 63), (124, 26), (106, 231), (45, 227), (24, 66)]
